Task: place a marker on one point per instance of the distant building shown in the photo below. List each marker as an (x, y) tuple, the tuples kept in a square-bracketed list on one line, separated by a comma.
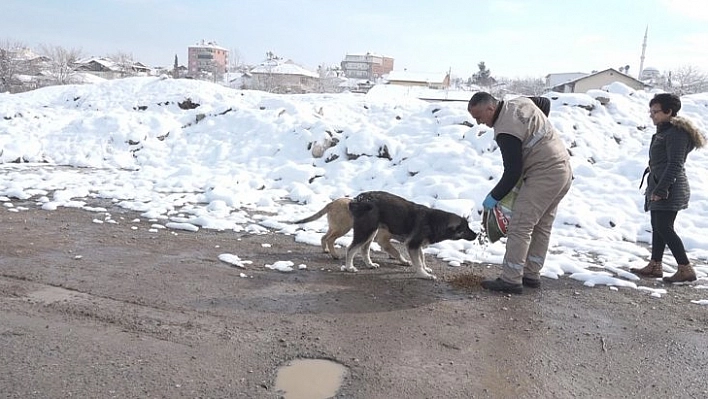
[(650, 73), (366, 66), (278, 76), (429, 80), (555, 79), (101, 67), (207, 61), (107, 68), (21, 70), (598, 80)]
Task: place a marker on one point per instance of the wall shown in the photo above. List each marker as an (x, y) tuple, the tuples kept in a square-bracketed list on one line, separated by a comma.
[(604, 78)]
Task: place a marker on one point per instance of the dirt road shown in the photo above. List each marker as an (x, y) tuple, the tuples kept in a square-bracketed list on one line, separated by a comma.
[(103, 310)]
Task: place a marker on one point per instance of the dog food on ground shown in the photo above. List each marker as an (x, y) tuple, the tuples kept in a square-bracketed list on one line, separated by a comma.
[(466, 280)]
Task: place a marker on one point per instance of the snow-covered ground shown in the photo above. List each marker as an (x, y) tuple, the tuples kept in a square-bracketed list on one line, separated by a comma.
[(130, 141)]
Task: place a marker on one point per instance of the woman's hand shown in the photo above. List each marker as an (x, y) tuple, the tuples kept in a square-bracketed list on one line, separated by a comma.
[(655, 197)]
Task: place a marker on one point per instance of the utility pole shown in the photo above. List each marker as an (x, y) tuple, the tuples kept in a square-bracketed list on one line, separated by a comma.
[(644, 48)]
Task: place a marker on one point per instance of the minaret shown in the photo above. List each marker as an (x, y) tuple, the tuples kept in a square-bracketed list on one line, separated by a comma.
[(644, 48)]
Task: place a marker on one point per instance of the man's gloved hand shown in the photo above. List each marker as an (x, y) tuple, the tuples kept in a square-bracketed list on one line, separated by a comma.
[(489, 202)]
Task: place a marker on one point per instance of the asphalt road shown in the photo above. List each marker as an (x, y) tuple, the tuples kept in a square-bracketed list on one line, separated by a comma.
[(104, 310)]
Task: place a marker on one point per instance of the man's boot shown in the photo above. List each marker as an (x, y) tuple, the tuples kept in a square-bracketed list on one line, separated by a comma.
[(683, 274), (652, 269)]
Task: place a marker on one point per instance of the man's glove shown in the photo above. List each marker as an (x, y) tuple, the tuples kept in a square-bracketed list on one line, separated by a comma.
[(489, 202)]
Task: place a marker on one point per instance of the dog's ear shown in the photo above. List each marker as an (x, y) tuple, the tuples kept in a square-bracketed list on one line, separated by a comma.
[(457, 224), (454, 221), (461, 226)]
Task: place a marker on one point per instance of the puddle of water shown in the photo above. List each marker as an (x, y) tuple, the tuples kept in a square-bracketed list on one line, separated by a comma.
[(310, 379)]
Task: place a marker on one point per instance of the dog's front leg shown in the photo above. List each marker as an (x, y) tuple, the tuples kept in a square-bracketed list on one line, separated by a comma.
[(422, 261), (421, 271), (366, 252), (349, 262)]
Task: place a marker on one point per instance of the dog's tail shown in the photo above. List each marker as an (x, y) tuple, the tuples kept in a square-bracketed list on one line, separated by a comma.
[(359, 208), (314, 217)]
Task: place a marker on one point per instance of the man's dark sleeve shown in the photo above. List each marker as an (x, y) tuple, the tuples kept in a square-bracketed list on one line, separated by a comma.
[(510, 148), (542, 103)]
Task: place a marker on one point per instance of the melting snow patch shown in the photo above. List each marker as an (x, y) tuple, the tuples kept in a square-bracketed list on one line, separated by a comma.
[(182, 226), (622, 273), (234, 260), (94, 209), (591, 279), (256, 229), (655, 292), (50, 206), (281, 266)]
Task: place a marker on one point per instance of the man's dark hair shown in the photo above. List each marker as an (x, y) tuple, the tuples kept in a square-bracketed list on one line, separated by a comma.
[(481, 97), (668, 102)]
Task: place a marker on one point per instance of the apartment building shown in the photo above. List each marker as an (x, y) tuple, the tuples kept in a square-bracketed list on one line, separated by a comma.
[(366, 66), (207, 61)]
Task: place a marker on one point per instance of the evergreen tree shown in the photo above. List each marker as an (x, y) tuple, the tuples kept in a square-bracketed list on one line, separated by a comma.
[(484, 76)]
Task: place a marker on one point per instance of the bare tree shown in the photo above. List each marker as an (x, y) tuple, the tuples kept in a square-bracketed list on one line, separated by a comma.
[(272, 61), (235, 61), (526, 86), (124, 62), (10, 64), (687, 79), (330, 77), (61, 62), (456, 82)]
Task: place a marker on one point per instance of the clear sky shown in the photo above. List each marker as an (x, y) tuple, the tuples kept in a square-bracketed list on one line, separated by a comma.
[(515, 38)]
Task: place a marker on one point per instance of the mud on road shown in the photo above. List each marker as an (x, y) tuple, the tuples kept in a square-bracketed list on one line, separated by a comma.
[(106, 310)]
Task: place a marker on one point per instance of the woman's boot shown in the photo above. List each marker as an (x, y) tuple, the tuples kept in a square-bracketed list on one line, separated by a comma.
[(653, 269), (684, 273)]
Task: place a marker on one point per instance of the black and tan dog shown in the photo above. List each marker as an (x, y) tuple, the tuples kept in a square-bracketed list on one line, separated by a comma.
[(339, 222), (414, 224)]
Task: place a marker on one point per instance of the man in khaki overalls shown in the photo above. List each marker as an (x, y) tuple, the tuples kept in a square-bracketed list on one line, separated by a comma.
[(532, 151)]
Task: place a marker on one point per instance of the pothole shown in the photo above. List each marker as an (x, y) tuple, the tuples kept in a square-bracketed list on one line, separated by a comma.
[(50, 295), (310, 379)]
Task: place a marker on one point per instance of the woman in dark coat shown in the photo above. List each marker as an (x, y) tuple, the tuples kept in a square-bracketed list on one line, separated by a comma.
[(667, 186)]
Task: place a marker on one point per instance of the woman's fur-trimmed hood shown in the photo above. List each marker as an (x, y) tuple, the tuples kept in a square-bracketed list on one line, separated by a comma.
[(685, 124)]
